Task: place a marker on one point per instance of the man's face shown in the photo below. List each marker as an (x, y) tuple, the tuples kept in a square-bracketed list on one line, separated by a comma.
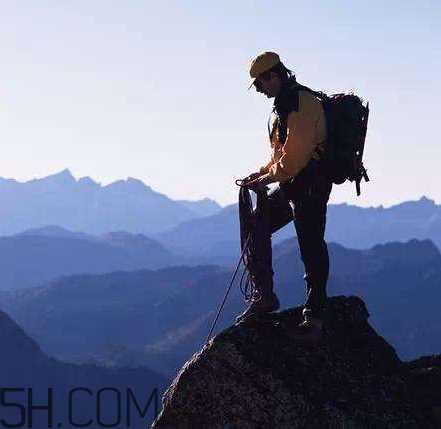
[(270, 87)]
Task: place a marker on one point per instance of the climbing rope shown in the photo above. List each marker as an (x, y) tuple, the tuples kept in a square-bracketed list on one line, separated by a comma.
[(247, 228), (226, 295)]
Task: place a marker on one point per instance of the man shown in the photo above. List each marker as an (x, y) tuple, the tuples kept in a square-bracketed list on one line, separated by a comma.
[(297, 137)]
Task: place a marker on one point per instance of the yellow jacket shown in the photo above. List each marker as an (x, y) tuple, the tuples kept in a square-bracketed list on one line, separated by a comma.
[(305, 138)]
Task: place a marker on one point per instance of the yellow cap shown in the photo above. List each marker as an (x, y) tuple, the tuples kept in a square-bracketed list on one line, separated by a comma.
[(261, 64)]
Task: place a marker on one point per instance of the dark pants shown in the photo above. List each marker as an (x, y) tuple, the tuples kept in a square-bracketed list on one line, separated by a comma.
[(304, 199)]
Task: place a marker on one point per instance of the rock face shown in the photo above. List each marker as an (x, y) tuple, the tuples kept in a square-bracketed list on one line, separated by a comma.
[(254, 375)]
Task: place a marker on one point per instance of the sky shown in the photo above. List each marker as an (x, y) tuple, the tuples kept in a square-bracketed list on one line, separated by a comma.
[(158, 90)]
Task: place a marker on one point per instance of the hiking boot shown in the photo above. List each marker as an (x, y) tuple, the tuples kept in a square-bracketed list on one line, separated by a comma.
[(309, 331), (261, 306)]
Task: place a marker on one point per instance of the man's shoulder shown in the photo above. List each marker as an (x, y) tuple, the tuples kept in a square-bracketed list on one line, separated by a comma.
[(305, 102), (305, 92), (297, 94), (308, 97), (310, 110)]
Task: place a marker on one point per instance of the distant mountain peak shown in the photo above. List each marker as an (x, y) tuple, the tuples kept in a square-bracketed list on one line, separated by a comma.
[(423, 202), (427, 201), (137, 183), (54, 231), (47, 229), (412, 252), (64, 175), (132, 184), (88, 181)]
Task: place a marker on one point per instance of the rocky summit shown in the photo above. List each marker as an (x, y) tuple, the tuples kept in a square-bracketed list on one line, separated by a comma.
[(256, 375)]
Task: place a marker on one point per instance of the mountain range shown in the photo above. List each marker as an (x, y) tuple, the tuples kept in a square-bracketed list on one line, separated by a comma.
[(85, 205), (160, 317), (201, 229), (214, 239), (211, 239)]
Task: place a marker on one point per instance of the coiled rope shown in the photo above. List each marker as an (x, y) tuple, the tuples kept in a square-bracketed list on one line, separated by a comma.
[(247, 283)]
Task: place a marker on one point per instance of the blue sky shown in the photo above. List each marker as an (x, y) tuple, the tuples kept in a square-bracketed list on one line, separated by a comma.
[(157, 90)]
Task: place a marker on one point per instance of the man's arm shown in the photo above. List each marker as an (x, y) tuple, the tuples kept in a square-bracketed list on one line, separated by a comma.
[(301, 139)]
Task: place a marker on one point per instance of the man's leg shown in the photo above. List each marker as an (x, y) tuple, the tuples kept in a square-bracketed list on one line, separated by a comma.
[(279, 209), (273, 212), (310, 209), (279, 213)]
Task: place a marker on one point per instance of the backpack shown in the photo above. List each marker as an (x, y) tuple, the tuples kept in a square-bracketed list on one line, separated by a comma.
[(346, 124)]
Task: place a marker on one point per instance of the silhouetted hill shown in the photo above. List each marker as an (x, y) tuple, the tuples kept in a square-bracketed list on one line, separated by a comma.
[(160, 317), (24, 366), (40, 255), (214, 238), (124, 308), (85, 205), (55, 231), (364, 227), (256, 375)]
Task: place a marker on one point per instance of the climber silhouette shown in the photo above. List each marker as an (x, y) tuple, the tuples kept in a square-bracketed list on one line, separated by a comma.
[(297, 131)]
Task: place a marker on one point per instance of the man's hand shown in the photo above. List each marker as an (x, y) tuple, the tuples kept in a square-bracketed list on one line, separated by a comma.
[(259, 183), (252, 176)]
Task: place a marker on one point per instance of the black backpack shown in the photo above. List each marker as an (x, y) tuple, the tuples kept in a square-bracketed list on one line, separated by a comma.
[(346, 124)]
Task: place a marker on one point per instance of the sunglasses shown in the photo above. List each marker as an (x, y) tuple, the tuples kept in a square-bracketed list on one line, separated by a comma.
[(264, 76)]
